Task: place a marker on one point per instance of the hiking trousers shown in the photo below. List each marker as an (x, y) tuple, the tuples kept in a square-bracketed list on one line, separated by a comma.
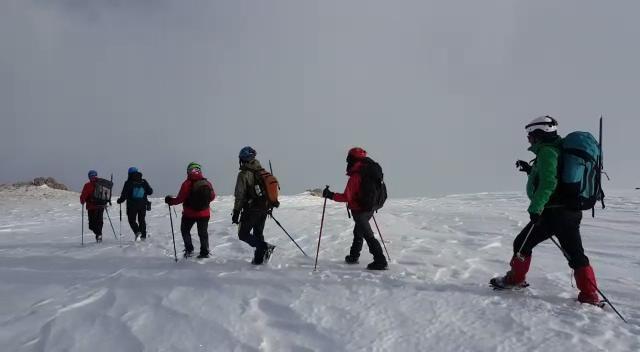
[(185, 228), (137, 221), (362, 232), (252, 227), (565, 225), (95, 220)]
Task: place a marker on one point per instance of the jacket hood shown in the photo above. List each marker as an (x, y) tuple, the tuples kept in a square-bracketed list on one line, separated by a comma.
[(357, 166), (555, 142), (135, 176), (253, 165)]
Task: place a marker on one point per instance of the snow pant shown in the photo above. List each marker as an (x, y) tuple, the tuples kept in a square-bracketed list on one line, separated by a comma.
[(362, 232), (95, 220), (185, 228), (138, 225), (565, 225), (251, 230)]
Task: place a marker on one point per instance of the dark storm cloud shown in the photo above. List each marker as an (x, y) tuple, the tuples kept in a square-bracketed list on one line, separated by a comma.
[(438, 92)]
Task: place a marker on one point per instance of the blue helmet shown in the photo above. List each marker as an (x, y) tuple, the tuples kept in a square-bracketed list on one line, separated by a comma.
[(247, 154), (92, 173), (132, 170)]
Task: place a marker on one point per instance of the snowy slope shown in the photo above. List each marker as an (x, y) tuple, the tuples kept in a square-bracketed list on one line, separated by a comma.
[(58, 296)]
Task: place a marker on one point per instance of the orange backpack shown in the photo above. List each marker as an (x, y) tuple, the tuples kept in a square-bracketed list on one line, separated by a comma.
[(269, 187)]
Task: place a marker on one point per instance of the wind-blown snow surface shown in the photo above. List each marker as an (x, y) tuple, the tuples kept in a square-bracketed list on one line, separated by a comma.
[(59, 296)]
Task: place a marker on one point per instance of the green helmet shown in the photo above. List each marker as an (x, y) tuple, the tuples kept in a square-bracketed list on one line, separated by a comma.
[(193, 165)]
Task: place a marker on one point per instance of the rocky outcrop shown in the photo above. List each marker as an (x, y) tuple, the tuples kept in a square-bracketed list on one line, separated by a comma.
[(39, 181)]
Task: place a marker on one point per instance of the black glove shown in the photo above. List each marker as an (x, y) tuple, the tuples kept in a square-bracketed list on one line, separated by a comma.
[(327, 193), (120, 201), (235, 216), (168, 199), (523, 166), (535, 218)]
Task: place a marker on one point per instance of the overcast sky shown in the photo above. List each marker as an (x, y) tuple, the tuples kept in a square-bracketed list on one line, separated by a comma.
[(437, 91)]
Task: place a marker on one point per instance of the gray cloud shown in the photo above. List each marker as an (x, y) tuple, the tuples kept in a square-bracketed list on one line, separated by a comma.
[(437, 92)]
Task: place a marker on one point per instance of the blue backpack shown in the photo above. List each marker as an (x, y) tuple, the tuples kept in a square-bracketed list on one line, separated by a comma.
[(137, 191), (581, 171)]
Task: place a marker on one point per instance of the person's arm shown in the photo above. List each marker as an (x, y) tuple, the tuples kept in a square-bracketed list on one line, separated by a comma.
[(547, 164), (124, 195), (147, 189), (349, 190), (85, 194), (213, 192), (182, 195), (240, 192)]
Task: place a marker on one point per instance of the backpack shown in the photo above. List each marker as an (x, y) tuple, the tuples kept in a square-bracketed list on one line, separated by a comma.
[(373, 191), (137, 191), (267, 187), (200, 195), (580, 171), (102, 192)]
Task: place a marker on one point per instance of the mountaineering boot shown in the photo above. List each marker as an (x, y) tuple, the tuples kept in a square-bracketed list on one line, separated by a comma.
[(188, 253), (515, 278), (138, 236), (351, 259), (377, 266), (267, 252), (586, 282), (98, 238), (203, 255), (258, 256)]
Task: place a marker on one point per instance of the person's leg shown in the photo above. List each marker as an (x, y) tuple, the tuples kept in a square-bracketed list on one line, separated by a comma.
[(358, 239), (142, 213), (248, 220), (203, 225), (131, 217), (529, 237), (364, 228), (568, 233), (185, 228)]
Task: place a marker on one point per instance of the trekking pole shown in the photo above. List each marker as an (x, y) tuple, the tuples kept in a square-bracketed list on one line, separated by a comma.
[(291, 238), (566, 255), (173, 236), (112, 228), (120, 239), (82, 227), (381, 239), (324, 206), (519, 254)]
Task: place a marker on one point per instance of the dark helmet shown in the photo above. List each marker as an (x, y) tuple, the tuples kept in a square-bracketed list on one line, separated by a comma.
[(92, 173), (247, 154), (356, 154)]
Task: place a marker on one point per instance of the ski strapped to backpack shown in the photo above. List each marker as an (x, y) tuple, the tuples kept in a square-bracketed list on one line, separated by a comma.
[(102, 192), (373, 191), (581, 171), (267, 187), (200, 195)]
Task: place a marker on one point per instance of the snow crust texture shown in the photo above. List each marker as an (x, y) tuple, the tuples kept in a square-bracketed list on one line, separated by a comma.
[(59, 296)]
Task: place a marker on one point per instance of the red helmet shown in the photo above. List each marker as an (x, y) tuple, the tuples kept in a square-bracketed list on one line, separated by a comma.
[(357, 153)]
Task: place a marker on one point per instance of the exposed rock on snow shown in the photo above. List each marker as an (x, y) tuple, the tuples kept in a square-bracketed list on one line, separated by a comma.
[(39, 188), (39, 181)]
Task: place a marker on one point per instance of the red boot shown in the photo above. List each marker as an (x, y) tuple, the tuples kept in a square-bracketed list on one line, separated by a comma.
[(586, 282), (515, 277)]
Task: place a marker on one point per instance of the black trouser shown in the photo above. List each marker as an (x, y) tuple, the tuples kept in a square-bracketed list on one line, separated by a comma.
[(202, 225), (362, 231), (140, 225), (565, 225), (253, 220), (95, 220)]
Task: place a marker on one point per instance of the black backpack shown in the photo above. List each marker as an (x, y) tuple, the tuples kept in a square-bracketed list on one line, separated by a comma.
[(199, 196), (102, 192), (373, 191)]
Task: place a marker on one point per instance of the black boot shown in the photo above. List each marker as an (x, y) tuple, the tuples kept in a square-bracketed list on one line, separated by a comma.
[(351, 259), (203, 255), (378, 266), (267, 252), (188, 253), (258, 256)]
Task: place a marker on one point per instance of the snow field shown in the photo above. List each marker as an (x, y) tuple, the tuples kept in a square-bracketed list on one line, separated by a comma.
[(59, 296)]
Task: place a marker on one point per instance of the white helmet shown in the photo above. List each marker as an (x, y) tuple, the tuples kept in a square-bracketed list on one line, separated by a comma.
[(542, 123)]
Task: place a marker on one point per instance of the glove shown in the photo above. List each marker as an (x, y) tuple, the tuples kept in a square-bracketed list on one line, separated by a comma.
[(535, 218), (168, 199), (120, 201), (327, 193), (235, 216), (523, 166)]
